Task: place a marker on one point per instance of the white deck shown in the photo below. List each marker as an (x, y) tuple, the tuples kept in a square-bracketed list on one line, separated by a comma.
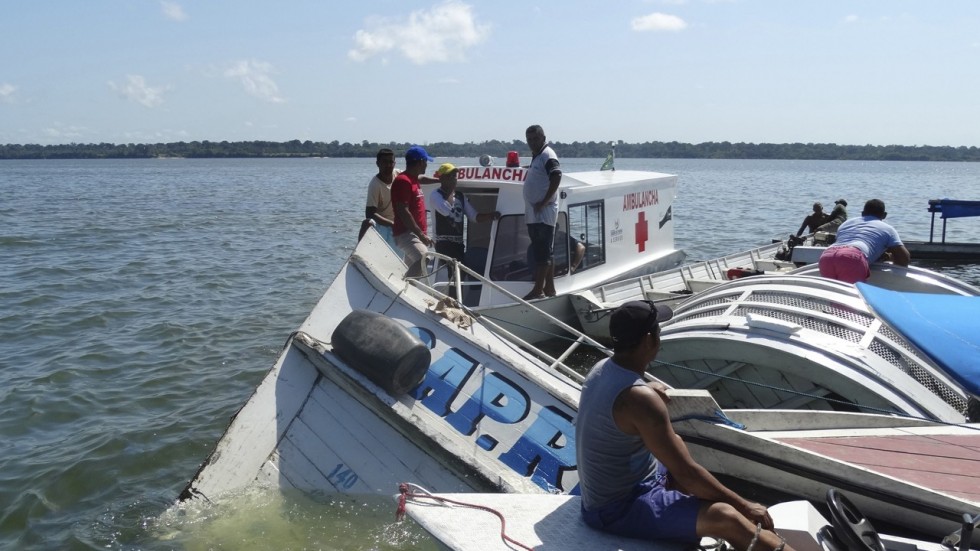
[(549, 522)]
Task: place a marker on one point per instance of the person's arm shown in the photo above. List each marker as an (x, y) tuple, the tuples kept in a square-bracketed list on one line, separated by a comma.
[(642, 410), (439, 203), (578, 253), (403, 214), (899, 255), (371, 213), (799, 232), (488, 216), (554, 180)]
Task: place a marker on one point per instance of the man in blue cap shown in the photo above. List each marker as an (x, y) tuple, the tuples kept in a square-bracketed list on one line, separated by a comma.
[(636, 475), (409, 202)]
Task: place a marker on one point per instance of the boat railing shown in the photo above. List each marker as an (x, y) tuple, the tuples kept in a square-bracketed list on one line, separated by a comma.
[(457, 269)]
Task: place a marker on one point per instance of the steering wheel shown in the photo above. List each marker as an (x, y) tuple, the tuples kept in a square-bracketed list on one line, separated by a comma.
[(851, 526)]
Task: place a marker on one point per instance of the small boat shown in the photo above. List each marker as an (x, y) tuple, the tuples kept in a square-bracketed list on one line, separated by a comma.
[(931, 250), (504, 522), (386, 382), (593, 306), (676, 285), (622, 218), (803, 342)]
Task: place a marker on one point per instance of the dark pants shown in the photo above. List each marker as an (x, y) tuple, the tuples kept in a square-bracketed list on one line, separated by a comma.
[(451, 249), (542, 243)]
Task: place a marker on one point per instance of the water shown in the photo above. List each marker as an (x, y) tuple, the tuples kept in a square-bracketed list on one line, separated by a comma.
[(142, 301)]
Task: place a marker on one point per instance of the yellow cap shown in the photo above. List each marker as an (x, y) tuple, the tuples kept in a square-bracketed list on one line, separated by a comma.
[(445, 168)]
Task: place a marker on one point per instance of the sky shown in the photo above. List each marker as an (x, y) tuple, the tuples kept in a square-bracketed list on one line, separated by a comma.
[(878, 72)]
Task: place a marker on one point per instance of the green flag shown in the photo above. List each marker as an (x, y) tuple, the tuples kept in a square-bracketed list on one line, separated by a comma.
[(608, 164)]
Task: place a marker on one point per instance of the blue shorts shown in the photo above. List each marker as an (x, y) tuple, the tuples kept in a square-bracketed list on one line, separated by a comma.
[(386, 233), (652, 512), (542, 243)]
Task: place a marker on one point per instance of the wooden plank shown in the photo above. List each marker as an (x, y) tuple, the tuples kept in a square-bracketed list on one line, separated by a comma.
[(947, 464)]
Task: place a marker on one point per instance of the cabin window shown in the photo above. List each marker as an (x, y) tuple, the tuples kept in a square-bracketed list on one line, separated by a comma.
[(586, 226), (510, 251), (583, 225)]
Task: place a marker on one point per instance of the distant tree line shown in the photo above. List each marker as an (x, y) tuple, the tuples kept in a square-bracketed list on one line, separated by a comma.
[(496, 148)]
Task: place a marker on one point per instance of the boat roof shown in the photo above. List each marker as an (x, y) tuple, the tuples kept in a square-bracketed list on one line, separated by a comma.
[(504, 176), (953, 208), (945, 327)]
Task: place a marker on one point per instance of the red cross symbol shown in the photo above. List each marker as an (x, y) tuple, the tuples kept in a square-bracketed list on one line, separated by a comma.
[(640, 229)]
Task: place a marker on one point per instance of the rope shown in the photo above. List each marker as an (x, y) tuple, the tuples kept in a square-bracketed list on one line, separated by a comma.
[(755, 538), (719, 417), (405, 494)]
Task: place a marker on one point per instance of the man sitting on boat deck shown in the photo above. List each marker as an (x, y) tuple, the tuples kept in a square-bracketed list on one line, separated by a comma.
[(410, 218), (636, 475), (836, 218), (861, 241), (814, 220)]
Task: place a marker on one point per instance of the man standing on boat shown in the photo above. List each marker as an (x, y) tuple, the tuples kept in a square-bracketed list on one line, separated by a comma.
[(378, 208), (409, 204), (861, 241), (636, 475), (541, 210)]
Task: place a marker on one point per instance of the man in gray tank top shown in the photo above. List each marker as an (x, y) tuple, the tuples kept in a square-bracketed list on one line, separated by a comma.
[(636, 475)]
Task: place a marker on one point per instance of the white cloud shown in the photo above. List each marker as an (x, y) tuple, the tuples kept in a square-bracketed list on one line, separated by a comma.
[(254, 76), (350, 119), (173, 10), (7, 92), (850, 19), (136, 89), (657, 22), (61, 132), (441, 34)]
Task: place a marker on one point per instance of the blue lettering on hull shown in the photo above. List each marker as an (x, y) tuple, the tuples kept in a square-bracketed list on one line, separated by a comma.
[(543, 452)]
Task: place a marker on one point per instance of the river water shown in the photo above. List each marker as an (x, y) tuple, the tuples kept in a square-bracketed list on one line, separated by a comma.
[(142, 301)]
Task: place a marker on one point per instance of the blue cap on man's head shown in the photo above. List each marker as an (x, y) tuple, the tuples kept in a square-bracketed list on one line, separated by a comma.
[(416, 153)]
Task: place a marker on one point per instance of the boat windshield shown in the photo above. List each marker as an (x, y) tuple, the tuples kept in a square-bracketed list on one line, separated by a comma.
[(511, 254)]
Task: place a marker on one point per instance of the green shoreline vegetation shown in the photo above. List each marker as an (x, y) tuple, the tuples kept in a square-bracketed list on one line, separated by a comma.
[(496, 148)]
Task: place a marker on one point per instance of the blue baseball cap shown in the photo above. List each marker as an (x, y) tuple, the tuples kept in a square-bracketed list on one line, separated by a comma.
[(416, 153)]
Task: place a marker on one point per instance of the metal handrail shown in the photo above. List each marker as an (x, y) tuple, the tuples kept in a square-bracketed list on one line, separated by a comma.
[(441, 260)]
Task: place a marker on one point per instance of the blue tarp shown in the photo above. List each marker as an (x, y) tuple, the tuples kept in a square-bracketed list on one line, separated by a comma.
[(951, 208), (945, 327)]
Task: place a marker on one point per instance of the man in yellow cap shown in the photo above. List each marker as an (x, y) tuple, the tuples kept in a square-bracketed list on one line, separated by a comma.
[(450, 206)]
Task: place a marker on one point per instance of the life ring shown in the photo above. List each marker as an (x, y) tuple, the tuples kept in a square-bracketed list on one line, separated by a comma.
[(382, 349)]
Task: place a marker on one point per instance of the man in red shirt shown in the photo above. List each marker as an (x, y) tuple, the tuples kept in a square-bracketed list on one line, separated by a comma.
[(410, 219)]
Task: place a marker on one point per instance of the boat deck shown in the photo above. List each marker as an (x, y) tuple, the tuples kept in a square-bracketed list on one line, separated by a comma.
[(948, 463)]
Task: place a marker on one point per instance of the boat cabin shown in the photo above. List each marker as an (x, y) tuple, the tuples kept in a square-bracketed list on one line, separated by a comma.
[(611, 225)]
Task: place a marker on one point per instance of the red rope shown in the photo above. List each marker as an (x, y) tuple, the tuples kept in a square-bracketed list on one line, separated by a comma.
[(404, 494)]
